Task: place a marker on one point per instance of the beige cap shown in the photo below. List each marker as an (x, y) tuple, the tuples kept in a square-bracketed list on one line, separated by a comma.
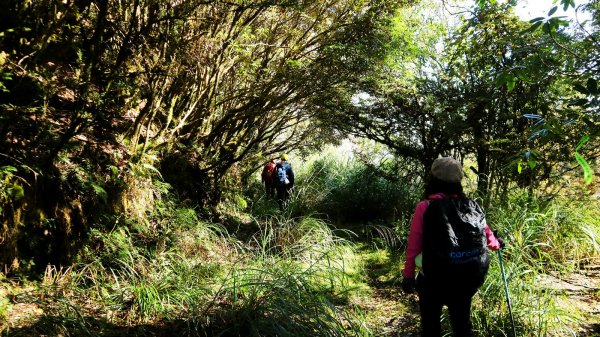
[(447, 169)]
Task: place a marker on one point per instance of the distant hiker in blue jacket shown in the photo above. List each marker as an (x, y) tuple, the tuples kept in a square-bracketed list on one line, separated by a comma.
[(449, 240), (283, 179)]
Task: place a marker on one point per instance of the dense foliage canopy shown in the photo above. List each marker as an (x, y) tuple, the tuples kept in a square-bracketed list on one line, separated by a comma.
[(101, 98), (503, 93), (97, 93)]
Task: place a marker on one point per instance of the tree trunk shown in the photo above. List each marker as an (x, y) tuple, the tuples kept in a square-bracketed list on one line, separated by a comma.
[(481, 148)]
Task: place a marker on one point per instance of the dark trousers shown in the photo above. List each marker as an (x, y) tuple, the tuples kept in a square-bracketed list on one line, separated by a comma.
[(270, 189), (283, 194), (432, 297)]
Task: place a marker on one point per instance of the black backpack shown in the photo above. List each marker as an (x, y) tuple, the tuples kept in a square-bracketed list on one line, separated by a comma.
[(454, 243)]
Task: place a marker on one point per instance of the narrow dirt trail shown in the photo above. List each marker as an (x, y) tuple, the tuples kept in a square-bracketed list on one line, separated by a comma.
[(404, 323), (396, 314), (579, 290), (392, 313)]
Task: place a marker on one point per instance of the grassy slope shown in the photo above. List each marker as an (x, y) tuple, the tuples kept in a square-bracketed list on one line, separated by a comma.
[(262, 273)]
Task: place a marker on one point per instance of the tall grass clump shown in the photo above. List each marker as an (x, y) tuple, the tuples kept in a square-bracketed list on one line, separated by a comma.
[(556, 234), (298, 271), (194, 279), (152, 273), (157, 275), (537, 311), (544, 237)]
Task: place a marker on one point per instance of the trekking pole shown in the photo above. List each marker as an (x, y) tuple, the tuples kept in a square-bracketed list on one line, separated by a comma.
[(512, 320)]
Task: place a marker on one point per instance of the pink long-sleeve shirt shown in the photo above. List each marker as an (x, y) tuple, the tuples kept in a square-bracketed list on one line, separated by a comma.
[(415, 236)]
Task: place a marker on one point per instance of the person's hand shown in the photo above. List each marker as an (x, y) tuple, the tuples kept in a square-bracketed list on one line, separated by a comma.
[(408, 285), (502, 244)]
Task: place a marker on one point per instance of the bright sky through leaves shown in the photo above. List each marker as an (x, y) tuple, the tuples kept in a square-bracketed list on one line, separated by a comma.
[(529, 9)]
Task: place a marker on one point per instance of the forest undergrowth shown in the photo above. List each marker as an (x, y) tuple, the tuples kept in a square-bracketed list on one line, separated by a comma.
[(330, 265)]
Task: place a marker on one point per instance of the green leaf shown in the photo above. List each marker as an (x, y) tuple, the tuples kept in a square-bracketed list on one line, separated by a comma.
[(17, 192), (519, 167), (567, 3), (533, 27), (578, 102), (8, 168), (531, 162), (113, 170), (546, 27), (552, 11), (556, 22), (592, 86), (510, 83), (581, 88), (522, 75), (588, 173), (538, 19), (582, 142), (100, 192), (153, 169), (553, 24)]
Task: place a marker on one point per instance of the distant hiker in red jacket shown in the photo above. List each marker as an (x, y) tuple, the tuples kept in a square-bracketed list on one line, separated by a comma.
[(267, 178), (449, 239)]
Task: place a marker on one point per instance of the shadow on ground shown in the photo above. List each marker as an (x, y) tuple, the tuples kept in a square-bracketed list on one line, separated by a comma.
[(89, 326), (59, 326), (396, 312)]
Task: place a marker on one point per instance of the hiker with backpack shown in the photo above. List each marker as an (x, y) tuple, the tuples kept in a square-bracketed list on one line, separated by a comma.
[(449, 240), (283, 179), (267, 178)]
